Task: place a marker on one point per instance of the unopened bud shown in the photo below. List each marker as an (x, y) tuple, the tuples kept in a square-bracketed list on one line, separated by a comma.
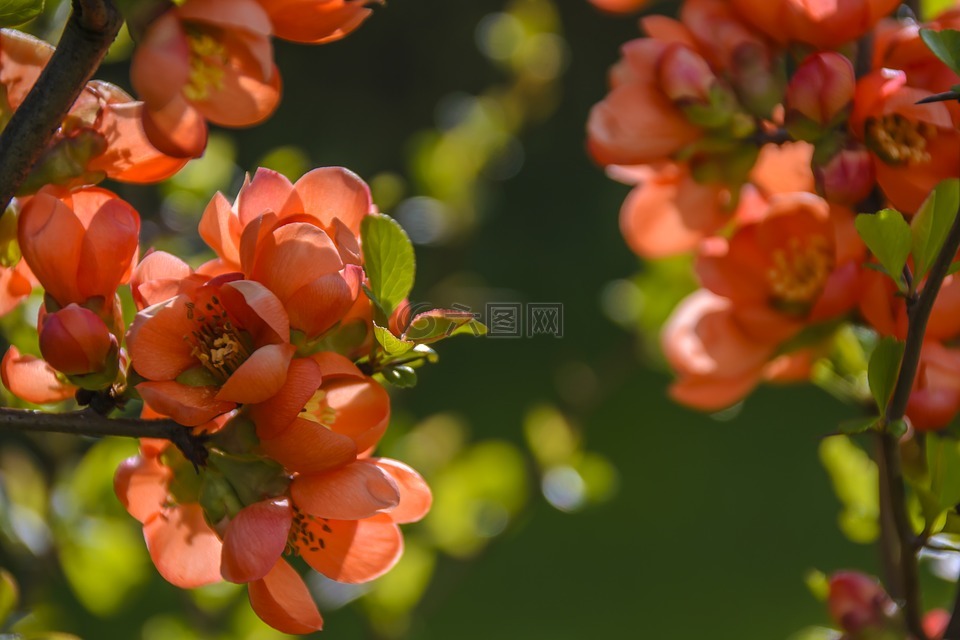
[(75, 341), (819, 95), (858, 602), (847, 178)]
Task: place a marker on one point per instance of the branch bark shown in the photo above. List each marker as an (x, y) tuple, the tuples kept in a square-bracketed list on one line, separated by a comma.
[(90, 423), (918, 313), (92, 27)]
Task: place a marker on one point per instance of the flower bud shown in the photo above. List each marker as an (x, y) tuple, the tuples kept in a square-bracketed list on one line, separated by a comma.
[(819, 94), (758, 79), (857, 602), (75, 341), (847, 178)]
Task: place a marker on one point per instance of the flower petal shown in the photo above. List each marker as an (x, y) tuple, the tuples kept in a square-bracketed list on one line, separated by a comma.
[(141, 486), (190, 406), (33, 379), (353, 551), (334, 192), (255, 539), (282, 600), (307, 447), (415, 496), (183, 547), (260, 376), (358, 490), (276, 413)]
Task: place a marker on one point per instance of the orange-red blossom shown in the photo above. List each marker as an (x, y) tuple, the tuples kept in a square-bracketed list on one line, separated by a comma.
[(204, 60), (796, 264)]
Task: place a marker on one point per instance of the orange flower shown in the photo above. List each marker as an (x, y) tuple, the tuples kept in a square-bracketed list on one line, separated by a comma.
[(935, 397), (797, 264), (914, 146), (825, 25), (299, 240), (211, 348), (80, 245), (717, 360), (101, 135), (347, 531), (204, 60), (316, 21), (184, 548), (637, 123)]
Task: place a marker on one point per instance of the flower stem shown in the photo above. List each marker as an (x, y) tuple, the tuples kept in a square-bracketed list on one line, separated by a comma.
[(91, 423), (918, 313), (92, 27)]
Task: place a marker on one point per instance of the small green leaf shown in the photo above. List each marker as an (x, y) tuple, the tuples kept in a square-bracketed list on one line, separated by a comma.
[(438, 324), (883, 369), (9, 595), (16, 12), (943, 461), (887, 235), (857, 425), (392, 345), (389, 261), (400, 376), (855, 480), (818, 584), (944, 44), (931, 224)]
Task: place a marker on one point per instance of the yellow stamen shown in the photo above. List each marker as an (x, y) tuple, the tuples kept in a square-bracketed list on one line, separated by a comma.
[(800, 270), (207, 57), (218, 344), (898, 140)]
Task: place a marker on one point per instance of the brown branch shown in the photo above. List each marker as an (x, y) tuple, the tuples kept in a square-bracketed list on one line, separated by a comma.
[(92, 27), (918, 313), (91, 423)]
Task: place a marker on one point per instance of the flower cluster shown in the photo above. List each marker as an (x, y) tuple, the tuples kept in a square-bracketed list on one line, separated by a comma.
[(212, 61), (267, 361), (751, 141)]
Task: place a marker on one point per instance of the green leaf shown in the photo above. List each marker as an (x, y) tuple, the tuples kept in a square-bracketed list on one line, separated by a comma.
[(953, 268), (857, 425), (9, 595), (392, 345), (883, 369), (887, 235), (16, 12), (943, 462), (931, 224), (400, 376), (389, 261), (437, 324), (855, 480), (945, 45)]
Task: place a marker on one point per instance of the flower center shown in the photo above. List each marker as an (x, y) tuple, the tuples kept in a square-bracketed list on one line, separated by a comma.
[(218, 344), (207, 57), (800, 270), (317, 410), (898, 140), (307, 532)]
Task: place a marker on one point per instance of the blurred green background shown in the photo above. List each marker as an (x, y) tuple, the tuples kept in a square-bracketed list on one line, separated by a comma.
[(573, 499)]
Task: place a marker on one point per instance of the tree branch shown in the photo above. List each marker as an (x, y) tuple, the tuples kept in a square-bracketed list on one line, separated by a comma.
[(918, 314), (92, 27), (90, 423)]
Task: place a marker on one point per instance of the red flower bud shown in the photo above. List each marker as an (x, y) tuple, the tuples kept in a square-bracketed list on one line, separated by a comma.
[(75, 341), (820, 91), (857, 601), (847, 178), (685, 76)]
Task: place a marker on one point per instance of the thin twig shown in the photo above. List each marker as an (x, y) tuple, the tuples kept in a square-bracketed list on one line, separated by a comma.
[(91, 423), (91, 28)]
